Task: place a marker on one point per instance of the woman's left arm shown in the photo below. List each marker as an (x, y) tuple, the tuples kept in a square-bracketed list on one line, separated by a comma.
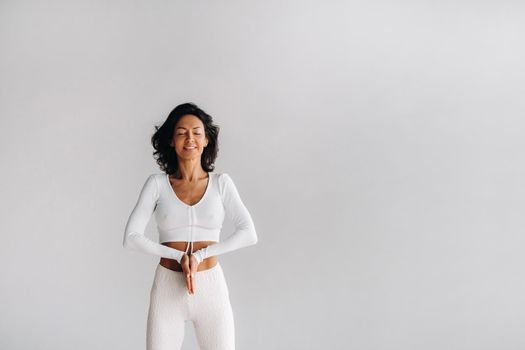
[(244, 234)]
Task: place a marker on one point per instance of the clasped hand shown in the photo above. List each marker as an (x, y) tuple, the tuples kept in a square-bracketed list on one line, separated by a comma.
[(189, 267)]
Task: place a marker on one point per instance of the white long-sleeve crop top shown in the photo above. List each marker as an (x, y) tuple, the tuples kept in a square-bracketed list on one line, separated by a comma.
[(178, 221)]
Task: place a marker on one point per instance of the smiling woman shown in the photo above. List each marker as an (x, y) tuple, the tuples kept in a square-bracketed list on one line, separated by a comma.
[(189, 202)]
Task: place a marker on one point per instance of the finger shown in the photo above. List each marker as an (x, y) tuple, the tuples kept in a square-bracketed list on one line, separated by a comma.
[(193, 274), (190, 272), (188, 282), (192, 279)]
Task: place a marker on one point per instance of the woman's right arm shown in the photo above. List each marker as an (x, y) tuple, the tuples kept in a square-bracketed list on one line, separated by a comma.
[(134, 237)]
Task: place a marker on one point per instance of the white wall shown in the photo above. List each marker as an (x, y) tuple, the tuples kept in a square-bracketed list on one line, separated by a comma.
[(377, 144)]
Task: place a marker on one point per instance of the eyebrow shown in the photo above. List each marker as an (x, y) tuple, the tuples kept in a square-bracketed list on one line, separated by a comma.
[(195, 127)]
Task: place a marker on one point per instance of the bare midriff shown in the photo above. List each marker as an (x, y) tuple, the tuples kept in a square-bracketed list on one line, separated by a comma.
[(172, 264)]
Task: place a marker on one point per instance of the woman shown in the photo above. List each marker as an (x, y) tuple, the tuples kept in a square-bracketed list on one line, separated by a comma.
[(189, 202)]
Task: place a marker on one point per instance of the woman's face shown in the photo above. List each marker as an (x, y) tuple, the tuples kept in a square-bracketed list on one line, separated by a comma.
[(189, 138)]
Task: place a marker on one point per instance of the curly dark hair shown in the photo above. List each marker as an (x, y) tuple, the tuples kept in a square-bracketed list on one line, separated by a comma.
[(166, 156)]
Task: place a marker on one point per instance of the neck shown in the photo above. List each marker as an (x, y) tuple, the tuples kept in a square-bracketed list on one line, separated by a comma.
[(190, 171)]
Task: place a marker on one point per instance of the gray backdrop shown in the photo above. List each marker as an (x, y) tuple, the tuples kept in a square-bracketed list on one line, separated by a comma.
[(377, 144)]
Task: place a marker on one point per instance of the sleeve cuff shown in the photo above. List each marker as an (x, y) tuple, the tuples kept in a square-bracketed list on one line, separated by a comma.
[(200, 254), (179, 258)]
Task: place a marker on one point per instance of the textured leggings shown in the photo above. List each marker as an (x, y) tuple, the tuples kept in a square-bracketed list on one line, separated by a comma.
[(209, 309)]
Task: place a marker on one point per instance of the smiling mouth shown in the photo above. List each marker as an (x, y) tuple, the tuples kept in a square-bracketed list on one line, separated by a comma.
[(189, 148)]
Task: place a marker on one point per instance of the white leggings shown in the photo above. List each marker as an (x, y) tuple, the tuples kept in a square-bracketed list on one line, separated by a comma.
[(209, 309)]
